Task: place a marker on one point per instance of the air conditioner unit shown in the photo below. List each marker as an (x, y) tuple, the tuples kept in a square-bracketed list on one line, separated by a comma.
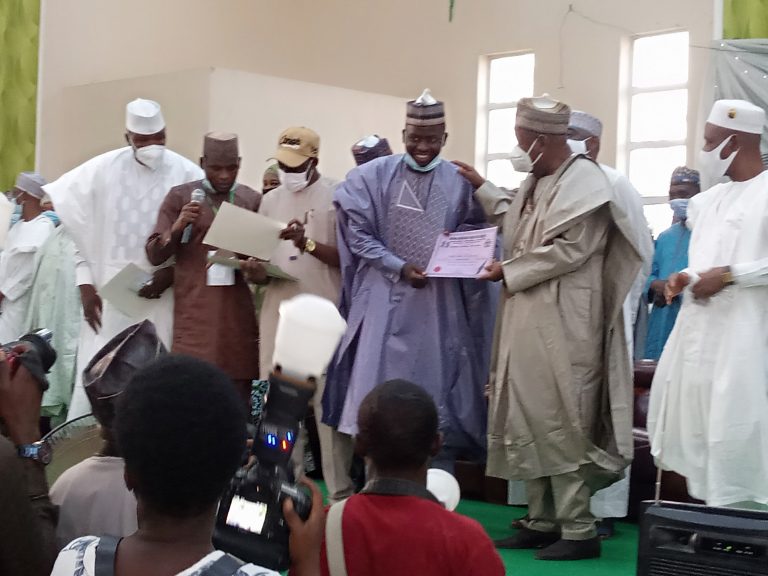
[(693, 540)]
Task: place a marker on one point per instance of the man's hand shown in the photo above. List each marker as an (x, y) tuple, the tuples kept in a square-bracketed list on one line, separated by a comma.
[(414, 276), (295, 233), (162, 279), (658, 287), (20, 398), (254, 271), (189, 215), (676, 283), (493, 272), (472, 176), (91, 306), (306, 539), (710, 283)]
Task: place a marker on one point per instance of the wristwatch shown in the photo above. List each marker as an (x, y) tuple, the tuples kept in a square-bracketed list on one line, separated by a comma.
[(38, 451), (727, 278), (309, 246)]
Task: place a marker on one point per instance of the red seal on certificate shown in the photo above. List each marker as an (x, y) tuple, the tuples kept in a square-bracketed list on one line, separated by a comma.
[(436, 269)]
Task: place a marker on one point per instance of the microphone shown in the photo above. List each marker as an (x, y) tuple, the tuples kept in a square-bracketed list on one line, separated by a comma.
[(197, 196)]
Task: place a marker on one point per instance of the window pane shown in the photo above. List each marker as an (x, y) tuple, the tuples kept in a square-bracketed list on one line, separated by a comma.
[(659, 218), (501, 130), (500, 172), (660, 116), (660, 60), (651, 168), (511, 78)]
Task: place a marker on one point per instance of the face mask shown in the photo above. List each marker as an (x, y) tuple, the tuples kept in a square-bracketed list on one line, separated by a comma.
[(151, 156), (295, 181), (17, 208), (578, 146), (413, 165), (521, 159), (711, 165), (679, 208)]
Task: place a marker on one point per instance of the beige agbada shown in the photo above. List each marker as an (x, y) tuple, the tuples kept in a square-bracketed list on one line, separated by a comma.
[(562, 396)]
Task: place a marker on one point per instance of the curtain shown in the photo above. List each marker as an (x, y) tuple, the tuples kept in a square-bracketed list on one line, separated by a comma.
[(741, 71), (745, 19), (19, 35)]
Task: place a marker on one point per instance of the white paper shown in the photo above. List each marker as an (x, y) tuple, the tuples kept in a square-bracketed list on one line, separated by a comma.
[(219, 274), (244, 232), (462, 254), (123, 291)]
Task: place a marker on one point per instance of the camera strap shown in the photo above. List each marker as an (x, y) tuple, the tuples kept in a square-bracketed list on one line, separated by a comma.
[(106, 553), (334, 540)]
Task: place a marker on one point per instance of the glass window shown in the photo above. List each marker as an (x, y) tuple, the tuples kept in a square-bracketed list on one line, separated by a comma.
[(660, 116), (510, 78), (651, 168), (660, 60)]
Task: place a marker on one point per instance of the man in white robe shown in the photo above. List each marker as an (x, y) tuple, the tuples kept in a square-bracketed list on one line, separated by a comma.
[(109, 206), (708, 414), (18, 261), (584, 134)]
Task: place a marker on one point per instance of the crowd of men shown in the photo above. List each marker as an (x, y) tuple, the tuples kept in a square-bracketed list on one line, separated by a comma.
[(549, 328)]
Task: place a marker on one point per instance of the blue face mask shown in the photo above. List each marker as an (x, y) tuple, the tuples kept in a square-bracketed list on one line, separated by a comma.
[(17, 208), (679, 208), (413, 165)]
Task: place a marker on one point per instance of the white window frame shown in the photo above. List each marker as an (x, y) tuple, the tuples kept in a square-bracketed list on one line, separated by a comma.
[(632, 91), (483, 157)]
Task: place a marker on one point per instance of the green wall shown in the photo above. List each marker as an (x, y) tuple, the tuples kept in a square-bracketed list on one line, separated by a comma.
[(19, 34), (745, 19)]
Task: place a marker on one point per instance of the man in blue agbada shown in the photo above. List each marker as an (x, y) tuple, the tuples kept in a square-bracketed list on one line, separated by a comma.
[(670, 255), (436, 332)]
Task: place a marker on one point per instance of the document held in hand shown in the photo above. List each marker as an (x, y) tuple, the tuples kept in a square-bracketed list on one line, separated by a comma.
[(122, 291), (244, 232), (462, 254)]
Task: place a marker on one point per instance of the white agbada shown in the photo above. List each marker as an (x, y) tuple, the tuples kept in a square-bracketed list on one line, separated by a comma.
[(18, 264), (708, 414), (109, 206), (613, 502)]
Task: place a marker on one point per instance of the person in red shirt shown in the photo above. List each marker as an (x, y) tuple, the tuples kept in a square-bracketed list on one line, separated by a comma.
[(395, 525)]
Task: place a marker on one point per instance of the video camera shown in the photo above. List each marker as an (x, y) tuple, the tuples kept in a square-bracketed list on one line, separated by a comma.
[(250, 523), (38, 356)]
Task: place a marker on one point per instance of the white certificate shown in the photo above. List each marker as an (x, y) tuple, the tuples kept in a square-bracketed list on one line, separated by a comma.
[(244, 232), (462, 254), (122, 291)]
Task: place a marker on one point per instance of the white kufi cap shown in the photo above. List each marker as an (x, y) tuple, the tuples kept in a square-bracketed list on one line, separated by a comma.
[(586, 122), (738, 115), (144, 117)]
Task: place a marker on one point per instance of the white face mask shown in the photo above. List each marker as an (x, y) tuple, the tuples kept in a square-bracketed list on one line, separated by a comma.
[(713, 167), (521, 159), (151, 156), (294, 181), (578, 146)]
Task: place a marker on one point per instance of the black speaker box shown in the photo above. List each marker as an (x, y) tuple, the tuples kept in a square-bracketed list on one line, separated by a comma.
[(693, 540)]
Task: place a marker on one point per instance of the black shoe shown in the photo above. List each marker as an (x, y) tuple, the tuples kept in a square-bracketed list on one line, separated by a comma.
[(527, 539), (519, 523), (571, 550), (606, 529)]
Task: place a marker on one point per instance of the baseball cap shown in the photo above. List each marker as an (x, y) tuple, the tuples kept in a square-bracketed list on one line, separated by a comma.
[(297, 144)]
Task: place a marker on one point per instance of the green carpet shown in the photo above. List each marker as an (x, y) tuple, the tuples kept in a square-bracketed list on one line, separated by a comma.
[(619, 553)]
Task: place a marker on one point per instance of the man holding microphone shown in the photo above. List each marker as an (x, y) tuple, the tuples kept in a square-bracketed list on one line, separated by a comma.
[(214, 318)]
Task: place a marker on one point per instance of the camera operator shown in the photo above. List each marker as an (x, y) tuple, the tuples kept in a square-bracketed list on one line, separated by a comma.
[(181, 429), (28, 527)]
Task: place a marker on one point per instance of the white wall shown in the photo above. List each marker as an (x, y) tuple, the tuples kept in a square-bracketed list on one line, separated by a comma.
[(260, 107), (392, 47)]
